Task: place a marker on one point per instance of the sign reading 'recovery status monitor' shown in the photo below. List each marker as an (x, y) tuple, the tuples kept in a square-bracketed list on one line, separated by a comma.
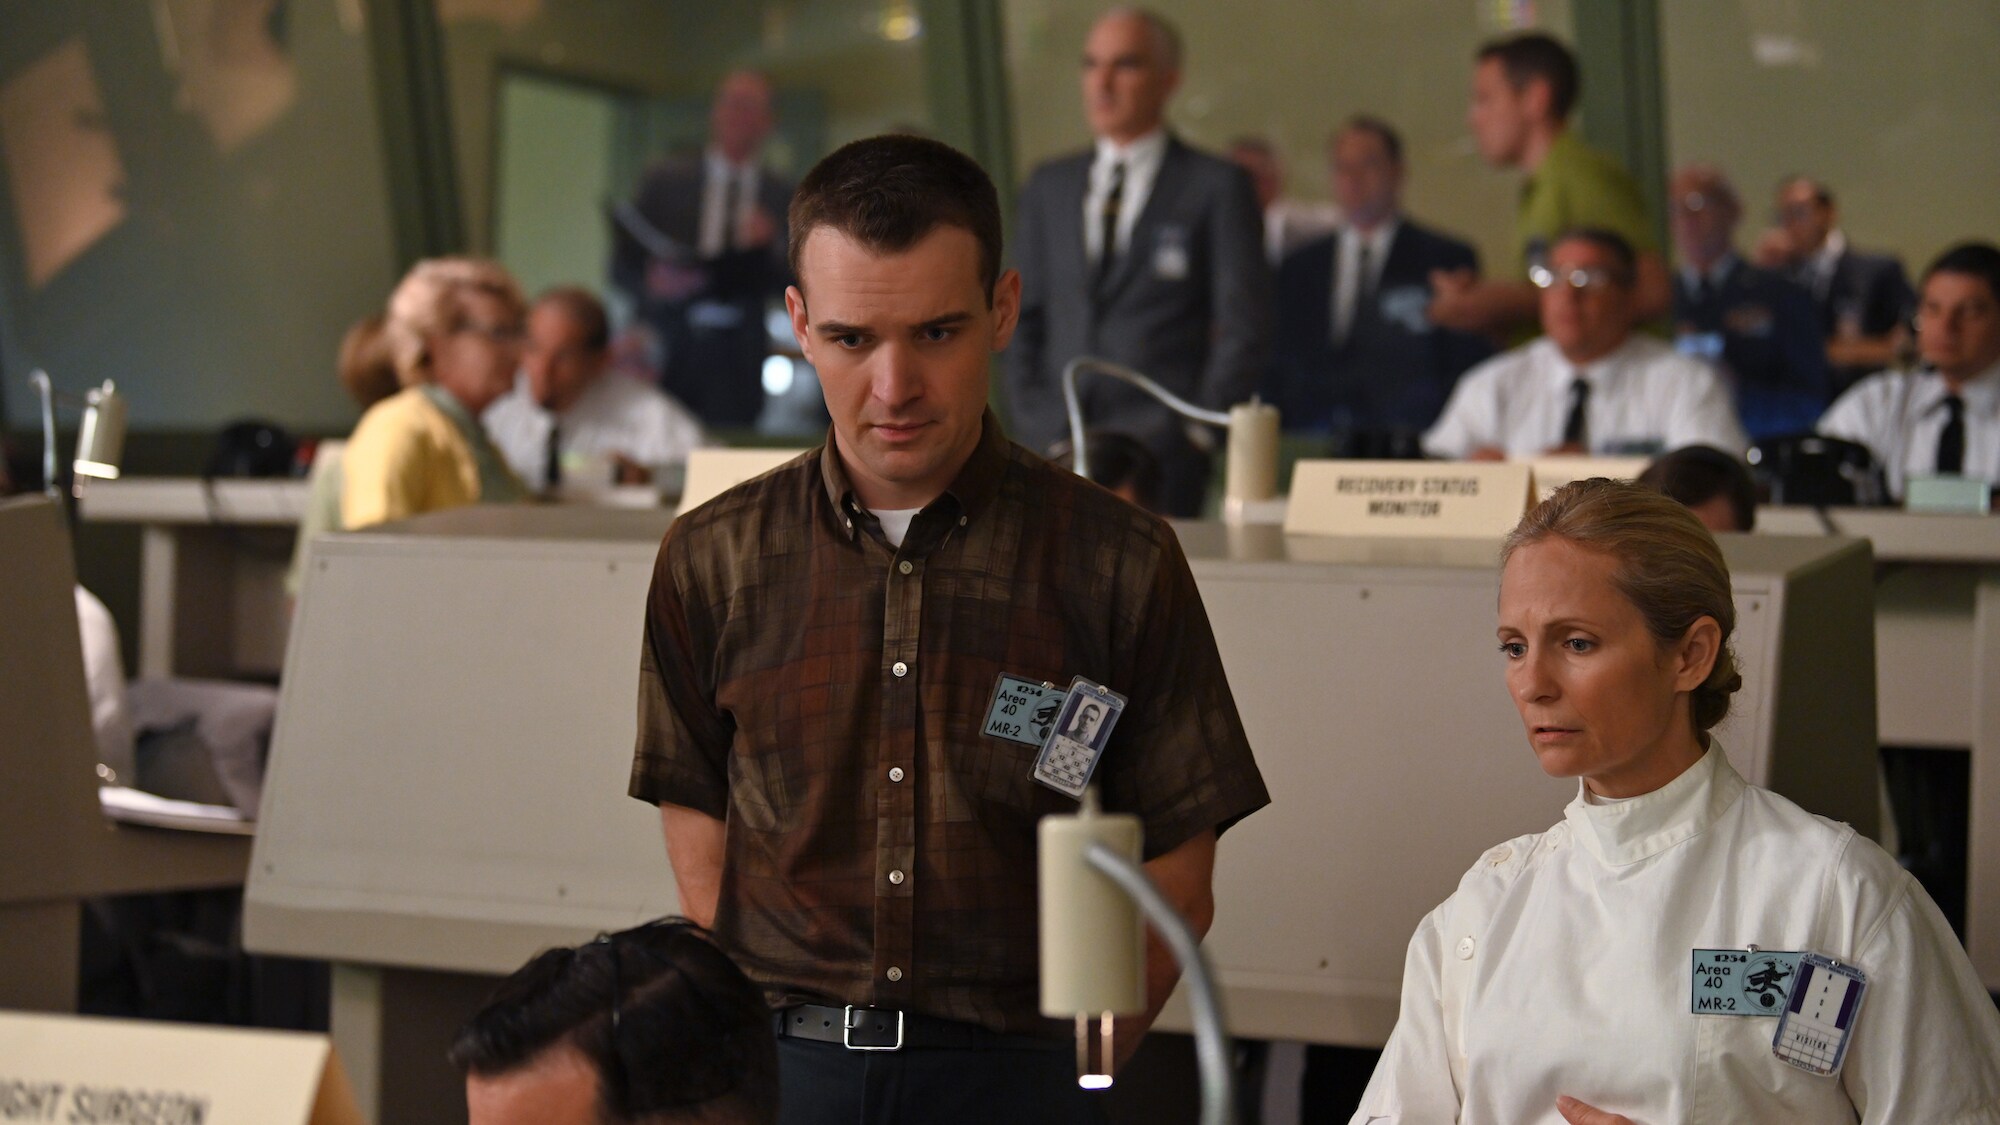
[(1408, 499)]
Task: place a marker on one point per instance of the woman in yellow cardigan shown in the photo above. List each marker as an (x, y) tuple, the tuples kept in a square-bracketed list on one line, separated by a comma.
[(454, 326)]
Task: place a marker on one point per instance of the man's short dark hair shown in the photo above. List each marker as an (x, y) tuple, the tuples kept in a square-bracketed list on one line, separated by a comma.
[(1822, 194), (1697, 474), (1624, 259), (889, 193), (582, 306), (1392, 141), (1973, 259), (1535, 55), (674, 1030)]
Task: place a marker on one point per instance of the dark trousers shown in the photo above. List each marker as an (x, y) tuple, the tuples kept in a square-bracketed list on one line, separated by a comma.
[(827, 1084)]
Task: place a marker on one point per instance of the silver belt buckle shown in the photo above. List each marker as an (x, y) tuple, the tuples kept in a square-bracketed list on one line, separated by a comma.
[(847, 1032)]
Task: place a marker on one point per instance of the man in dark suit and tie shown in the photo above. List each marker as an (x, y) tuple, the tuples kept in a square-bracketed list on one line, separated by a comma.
[(1354, 352), (1145, 252), (1864, 299), (1758, 325), (701, 250)]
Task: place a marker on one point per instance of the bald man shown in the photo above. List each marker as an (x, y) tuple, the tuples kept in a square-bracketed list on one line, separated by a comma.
[(701, 251), (1143, 251)]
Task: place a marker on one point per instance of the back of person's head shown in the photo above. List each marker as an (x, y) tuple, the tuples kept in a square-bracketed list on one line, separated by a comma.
[(889, 193), (429, 302), (673, 1029), (1710, 482), (1535, 56), (367, 365), (1668, 567), (1118, 462), (1624, 259), (1971, 259), (582, 307)]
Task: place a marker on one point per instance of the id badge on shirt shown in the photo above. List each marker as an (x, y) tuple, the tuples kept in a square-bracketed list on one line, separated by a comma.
[(1082, 730), (1022, 711), (1741, 982), (1818, 1021)]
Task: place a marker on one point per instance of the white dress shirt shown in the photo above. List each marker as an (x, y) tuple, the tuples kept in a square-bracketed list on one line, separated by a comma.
[(615, 414), (1142, 160), (1818, 272), (1291, 223), (718, 174), (1644, 398), (1899, 415), (1347, 270), (1571, 953)]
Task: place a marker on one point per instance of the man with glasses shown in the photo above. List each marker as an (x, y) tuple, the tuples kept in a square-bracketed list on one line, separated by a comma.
[(1863, 299), (648, 1026), (1756, 324), (841, 657), (1591, 385)]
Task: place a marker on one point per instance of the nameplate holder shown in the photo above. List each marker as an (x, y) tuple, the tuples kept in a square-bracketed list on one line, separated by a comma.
[(1552, 473), (1948, 495), (73, 1068), (712, 472), (1407, 499)]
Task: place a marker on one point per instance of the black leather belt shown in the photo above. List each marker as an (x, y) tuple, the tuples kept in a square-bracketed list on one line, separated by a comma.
[(886, 1029)]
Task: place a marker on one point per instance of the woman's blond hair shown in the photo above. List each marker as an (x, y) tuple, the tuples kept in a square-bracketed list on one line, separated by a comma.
[(1668, 567), (429, 302)]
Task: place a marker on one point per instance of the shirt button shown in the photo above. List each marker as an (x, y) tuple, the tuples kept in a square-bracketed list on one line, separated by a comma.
[(1465, 945), (1499, 855), (896, 878), (894, 973), (895, 773), (900, 668), (905, 566)]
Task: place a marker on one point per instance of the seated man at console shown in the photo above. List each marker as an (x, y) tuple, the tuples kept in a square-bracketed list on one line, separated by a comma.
[(568, 408), (1945, 418), (1590, 386), (647, 1026)]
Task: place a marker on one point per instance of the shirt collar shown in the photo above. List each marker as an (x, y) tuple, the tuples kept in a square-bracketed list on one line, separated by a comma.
[(1378, 240), (719, 165), (1717, 274), (1643, 827), (1597, 372), (1829, 252), (1981, 392), (968, 493), (1146, 152)]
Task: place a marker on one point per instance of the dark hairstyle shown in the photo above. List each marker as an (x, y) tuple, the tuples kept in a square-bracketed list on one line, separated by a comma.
[(1624, 259), (1392, 141), (1116, 461), (1535, 55), (1822, 194), (672, 1027), (1973, 259), (582, 306), (1668, 567), (888, 193), (1697, 474)]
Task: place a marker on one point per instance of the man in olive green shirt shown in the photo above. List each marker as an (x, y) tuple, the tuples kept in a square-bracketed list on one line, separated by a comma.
[(1523, 89)]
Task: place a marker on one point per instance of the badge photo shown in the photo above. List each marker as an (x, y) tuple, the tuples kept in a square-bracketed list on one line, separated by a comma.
[(1081, 732)]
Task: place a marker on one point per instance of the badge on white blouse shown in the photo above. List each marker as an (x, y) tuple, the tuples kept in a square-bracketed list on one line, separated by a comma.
[(1818, 1020), (1022, 711), (1082, 730), (1741, 982)]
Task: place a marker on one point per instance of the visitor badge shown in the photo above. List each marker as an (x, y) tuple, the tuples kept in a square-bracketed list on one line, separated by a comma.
[(1022, 710), (1741, 982), (1819, 1018), (1082, 728)]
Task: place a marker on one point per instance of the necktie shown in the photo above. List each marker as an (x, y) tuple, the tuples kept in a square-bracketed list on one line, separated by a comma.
[(1364, 278), (1951, 440), (730, 181), (1114, 200), (1575, 431), (552, 457)]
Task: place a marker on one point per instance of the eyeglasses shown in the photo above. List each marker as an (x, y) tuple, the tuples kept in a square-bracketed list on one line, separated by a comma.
[(1586, 279), (1693, 202)]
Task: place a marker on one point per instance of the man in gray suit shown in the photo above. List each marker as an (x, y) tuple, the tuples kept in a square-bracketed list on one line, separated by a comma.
[(1145, 252)]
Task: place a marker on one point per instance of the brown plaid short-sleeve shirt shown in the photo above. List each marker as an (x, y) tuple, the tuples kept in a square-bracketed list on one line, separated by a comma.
[(824, 694)]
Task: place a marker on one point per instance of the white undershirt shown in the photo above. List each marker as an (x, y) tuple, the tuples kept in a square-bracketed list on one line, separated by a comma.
[(895, 522)]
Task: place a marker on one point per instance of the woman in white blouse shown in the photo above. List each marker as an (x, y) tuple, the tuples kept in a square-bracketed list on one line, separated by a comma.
[(1567, 978)]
